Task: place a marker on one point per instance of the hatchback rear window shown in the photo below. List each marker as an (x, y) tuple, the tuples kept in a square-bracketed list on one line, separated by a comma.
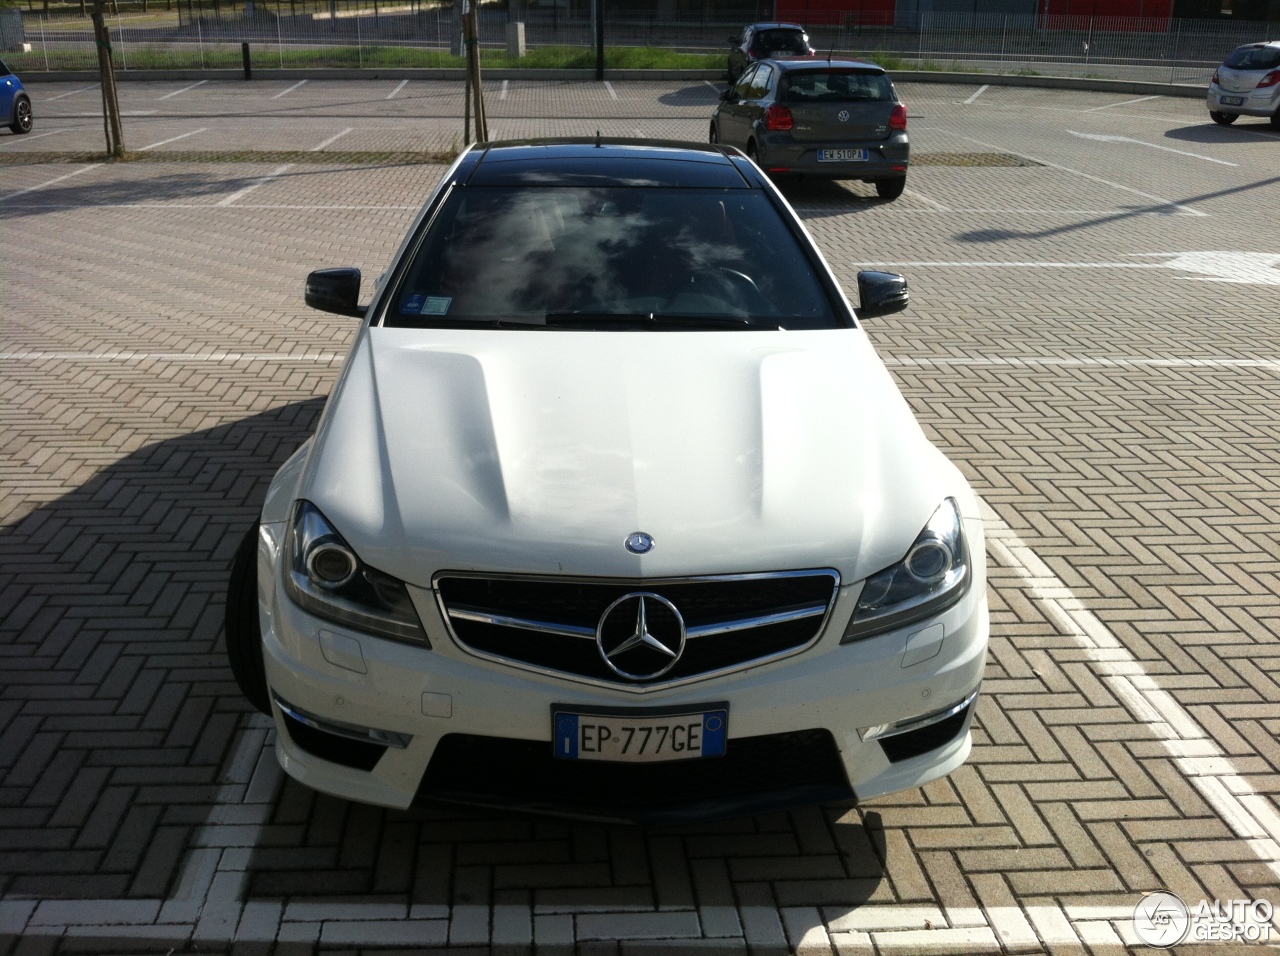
[(781, 43), (836, 86), (534, 255), (1254, 58)]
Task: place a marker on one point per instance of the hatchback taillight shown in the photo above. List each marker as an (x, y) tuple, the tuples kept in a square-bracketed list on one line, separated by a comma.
[(898, 118), (778, 117), (1271, 79)]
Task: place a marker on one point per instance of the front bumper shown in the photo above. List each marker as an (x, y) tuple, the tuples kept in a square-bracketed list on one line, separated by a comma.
[(780, 152), (425, 703), (1263, 102)]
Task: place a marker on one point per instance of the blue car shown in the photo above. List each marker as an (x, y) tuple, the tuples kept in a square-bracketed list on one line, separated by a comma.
[(14, 102)]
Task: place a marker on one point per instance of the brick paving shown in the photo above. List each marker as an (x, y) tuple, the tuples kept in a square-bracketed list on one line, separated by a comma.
[(1092, 339)]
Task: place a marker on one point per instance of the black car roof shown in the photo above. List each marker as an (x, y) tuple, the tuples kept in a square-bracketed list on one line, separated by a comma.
[(605, 161), (789, 64)]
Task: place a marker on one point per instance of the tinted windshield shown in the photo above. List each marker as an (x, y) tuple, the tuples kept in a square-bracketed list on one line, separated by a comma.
[(1254, 58), (803, 86), (522, 254), (782, 42)]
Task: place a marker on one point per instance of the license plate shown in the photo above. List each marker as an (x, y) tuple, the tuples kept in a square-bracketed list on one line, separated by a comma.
[(640, 737), (842, 155), (1231, 100)]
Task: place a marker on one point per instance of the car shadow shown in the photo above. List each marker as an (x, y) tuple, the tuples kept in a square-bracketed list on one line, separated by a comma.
[(697, 95), (819, 198), (1210, 132)]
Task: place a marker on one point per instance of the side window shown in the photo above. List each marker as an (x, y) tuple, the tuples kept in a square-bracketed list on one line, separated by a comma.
[(760, 84), (4, 70), (743, 90)]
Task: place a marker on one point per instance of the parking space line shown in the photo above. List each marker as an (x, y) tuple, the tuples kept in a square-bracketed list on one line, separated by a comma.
[(1101, 138), (1185, 210), (289, 90), (254, 185), (56, 179), (172, 139), (28, 138), (1140, 99), (83, 89), (503, 94), (184, 89), (403, 84), (612, 92), (982, 89), (331, 140), (925, 199)]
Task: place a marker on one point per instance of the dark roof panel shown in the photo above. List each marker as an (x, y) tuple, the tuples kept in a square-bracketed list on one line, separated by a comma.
[(608, 163)]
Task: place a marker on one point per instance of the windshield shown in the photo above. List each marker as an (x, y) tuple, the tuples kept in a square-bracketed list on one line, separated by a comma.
[(574, 254), (1254, 58), (782, 42), (815, 86)]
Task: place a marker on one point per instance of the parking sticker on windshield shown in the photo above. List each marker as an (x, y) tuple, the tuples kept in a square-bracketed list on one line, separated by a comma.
[(436, 305), (413, 304)]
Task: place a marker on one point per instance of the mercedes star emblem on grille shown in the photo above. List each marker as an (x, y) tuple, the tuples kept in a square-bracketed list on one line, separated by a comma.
[(639, 543), (640, 636)]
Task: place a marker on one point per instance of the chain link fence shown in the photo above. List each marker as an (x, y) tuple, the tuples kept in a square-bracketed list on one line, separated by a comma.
[(369, 34)]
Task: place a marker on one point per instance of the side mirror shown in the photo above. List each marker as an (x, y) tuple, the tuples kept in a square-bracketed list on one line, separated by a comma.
[(881, 293), (336, 291), (726, 94)]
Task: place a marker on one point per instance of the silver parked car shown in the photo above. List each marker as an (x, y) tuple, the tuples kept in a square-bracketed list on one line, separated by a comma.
[(835, 119), (1247, 84)]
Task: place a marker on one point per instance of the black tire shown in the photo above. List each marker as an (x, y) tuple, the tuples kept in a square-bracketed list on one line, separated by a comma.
[(891, 189), (752, 154), (22, 120), (244, 633), (1223, 119), (713, 137), (1275, 120)]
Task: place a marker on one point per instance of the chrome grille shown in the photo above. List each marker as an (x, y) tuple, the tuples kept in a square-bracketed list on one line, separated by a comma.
[(549, 624)]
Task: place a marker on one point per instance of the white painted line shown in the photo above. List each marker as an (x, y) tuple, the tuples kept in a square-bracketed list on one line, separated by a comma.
[(57, 179), (83, 89), (289, 90), (1271, 365), (254, 185), (132, 113), (1185, 210), (1245, 268), (612, 92), (925, 199), (172, 139), (982, 89), (1140, 99), (712, 85), (403, 84), (503, 94), (332, 139), (28, 138), (184, 89), (1098, 137)]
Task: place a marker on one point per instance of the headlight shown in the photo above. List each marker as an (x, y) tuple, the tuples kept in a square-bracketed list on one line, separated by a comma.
[(324, 576), (932, 577)]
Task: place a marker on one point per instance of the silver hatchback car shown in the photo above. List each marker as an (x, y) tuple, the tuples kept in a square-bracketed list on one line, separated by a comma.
[(1247, 84)]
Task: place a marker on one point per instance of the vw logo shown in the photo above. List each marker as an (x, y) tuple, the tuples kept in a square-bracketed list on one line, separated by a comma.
[(640, 636), (639, 543), (843, 116)]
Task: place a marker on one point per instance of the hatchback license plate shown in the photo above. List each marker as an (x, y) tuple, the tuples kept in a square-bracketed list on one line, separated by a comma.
[(1231, 100), (842, 155), (640, 737)]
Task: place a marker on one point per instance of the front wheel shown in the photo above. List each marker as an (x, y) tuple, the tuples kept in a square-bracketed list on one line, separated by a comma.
[(1224, 119), (891, 189), (21, 116), (243, 630), (713, 137)]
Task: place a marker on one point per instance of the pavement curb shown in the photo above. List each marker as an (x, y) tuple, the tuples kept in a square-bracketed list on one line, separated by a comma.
[(905, 76)]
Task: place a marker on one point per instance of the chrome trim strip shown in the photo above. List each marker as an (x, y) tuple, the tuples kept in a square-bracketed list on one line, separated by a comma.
[(916, 723), (589, 633), (365, 735), (642, 583)]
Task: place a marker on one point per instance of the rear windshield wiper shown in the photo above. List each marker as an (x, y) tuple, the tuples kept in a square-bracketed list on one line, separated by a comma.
[(650, 319)]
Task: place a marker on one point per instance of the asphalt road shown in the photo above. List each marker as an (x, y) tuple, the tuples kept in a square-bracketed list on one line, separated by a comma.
[(1092, 338)]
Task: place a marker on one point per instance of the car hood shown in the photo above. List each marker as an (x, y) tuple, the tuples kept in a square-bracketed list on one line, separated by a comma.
[(541, 451)]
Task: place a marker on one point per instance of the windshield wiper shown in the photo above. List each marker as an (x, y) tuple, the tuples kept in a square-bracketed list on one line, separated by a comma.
[(649, 319)]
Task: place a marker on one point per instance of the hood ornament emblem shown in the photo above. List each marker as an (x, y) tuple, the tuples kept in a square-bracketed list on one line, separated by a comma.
[(639, 543), (843, 116), (648, 654)]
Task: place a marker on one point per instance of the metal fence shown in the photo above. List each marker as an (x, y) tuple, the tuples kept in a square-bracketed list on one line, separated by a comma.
[(386, 33)]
